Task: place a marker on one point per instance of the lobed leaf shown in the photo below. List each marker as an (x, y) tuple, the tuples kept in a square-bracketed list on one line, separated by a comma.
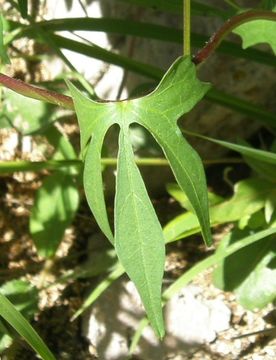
[(138, 239), (177, 93)]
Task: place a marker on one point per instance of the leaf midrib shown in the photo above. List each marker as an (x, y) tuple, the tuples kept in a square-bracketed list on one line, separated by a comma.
[(131, 182)]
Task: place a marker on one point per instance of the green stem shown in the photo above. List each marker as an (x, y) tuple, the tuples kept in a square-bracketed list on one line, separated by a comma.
[(186, 27), (21, 165)]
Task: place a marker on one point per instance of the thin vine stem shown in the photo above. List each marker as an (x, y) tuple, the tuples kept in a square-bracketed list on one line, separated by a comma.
[(227, 28), (37, 93), (22, 165), (186, 27)]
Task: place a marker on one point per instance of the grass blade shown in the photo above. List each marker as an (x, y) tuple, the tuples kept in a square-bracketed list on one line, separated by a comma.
[(21, 325)]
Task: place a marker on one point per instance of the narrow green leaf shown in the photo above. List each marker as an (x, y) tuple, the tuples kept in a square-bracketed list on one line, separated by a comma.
[(55, 206), (175, 191), (21, 325), (93, 182), (177, 93), (23, 295), (97, 128), (264, 169), (270, 205), (23, 8), (3, 53), (139, 239), (265, 156), (176, 6), (181, 227)]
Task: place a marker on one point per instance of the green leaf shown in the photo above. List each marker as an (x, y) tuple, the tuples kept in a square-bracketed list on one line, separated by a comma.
[(258, 31), (249, 197), (25, 114), (23, 295), (138, 235), (23, 8), (256, 154), (176, 6), (92, 177), (57, 200), (263, 169), (181, 227), (177, 93), (175, 191), (3, 53), (250, 272), (21, 325), (270, 205), (25, 299), (56, 203)]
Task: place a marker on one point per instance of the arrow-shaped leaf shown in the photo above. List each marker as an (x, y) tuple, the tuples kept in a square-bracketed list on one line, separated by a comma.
[(138, 237)]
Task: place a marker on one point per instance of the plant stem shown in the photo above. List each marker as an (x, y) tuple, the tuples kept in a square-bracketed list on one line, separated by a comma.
[(186, 27), (227, 28), (7, 167), (34, 92)]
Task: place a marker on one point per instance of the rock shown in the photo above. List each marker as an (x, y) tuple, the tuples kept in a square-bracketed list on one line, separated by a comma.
[(190, 322)]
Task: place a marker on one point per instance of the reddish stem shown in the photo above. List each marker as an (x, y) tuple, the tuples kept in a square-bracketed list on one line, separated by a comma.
[(36, 93), (229, 26)]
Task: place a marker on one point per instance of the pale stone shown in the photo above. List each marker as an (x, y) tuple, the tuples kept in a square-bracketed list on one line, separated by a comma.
[(190, 322)]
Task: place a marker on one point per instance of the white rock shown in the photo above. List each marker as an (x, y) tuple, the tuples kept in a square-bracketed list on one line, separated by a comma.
[(190, 322)]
